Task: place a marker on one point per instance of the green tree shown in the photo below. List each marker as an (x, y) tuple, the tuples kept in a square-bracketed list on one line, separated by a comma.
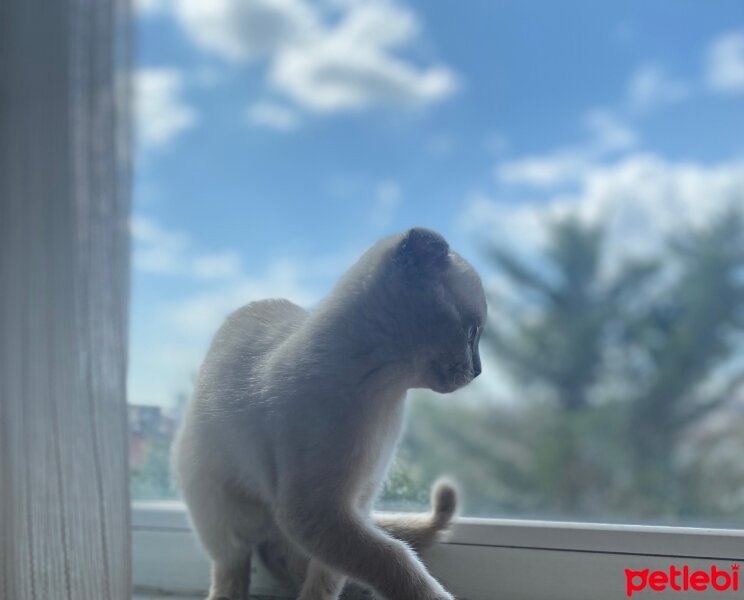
[(683, 354), (556, 349), (568, 309), (617, 370)]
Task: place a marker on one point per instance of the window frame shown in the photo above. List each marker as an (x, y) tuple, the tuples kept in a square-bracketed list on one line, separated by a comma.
[(480, 558)]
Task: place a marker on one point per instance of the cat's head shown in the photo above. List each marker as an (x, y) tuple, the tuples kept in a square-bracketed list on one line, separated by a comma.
[(443, 307)]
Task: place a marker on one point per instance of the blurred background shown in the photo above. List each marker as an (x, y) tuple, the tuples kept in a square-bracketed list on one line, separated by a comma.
[(586, 157)]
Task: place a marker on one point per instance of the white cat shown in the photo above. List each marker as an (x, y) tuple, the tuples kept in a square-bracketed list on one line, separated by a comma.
[(296, 415)]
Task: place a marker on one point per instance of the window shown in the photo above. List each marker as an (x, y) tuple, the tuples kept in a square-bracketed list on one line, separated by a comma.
[(585, 157)]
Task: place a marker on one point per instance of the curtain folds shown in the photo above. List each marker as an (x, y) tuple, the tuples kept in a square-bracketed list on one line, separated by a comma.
[(64, 254)]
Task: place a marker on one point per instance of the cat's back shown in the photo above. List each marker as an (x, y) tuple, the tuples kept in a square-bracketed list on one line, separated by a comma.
[(232, 366), (259, 327)]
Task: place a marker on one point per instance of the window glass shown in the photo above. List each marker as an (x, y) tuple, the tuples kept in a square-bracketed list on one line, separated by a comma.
[(587, 158)]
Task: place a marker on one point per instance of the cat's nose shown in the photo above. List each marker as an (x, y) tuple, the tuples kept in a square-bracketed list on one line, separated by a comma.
[(476, 371)]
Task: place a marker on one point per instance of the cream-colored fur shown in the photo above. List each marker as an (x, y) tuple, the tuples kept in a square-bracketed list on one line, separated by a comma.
[(288, 564), (296, 415)]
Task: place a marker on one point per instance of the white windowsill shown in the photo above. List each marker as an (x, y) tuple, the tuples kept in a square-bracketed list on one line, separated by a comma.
[(482, 559)]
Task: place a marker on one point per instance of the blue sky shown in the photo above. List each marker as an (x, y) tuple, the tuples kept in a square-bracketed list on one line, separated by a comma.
[(277, 139)]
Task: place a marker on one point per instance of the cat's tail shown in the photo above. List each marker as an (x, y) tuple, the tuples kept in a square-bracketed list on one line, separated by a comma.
[(421, 530)]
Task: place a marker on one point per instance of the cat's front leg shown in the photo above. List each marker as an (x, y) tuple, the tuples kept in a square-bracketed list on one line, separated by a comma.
[(350, 544), (321, 583)]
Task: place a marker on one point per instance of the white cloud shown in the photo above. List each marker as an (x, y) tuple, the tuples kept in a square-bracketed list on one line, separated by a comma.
[(161, 114), (608, 132), (515, 225), (650, 86), (352, 66), (568, 165), (387, 200), (244, 30), (640, 198), (272, 116), (157, 250), (165, 252), (645, 198), (325, 58), (220, 265), (546, 170), (725, 63)]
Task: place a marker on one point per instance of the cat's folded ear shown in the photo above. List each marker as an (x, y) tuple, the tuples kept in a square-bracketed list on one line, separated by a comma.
[(422, 249)]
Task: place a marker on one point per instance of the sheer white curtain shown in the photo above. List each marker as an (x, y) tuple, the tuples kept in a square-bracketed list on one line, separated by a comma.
[(64, 506)]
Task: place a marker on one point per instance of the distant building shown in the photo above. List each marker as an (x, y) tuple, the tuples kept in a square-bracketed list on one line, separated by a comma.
[(147, 424)]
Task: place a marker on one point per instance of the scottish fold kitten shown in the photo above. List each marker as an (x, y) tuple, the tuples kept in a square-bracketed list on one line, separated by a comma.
[(296, 414)]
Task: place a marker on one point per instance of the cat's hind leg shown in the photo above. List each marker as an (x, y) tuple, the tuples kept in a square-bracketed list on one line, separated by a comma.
[(229, 523), (231, 580), (221, 527)]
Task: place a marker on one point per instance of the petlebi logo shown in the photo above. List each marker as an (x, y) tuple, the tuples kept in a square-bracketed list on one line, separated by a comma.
[(682, 579)]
